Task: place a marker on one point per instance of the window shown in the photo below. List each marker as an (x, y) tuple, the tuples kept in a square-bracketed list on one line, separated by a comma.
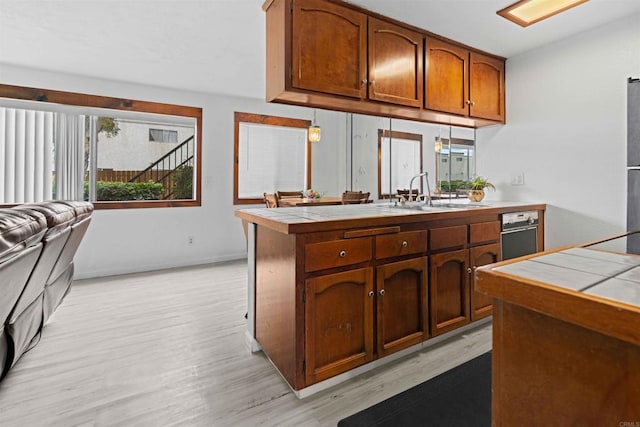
[(271, 154), (163, 135), (60, 145)]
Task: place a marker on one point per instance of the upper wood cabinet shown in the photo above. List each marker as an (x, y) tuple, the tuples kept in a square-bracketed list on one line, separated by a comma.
[(447, 77), (463, 82), (395, 64), (486, 87), (329, 48), (335, 55)]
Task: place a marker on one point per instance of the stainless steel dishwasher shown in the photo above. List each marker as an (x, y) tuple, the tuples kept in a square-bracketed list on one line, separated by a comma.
[(519, 234)]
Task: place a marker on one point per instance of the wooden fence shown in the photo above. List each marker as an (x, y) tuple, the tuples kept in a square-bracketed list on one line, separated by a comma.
[(110, 175)]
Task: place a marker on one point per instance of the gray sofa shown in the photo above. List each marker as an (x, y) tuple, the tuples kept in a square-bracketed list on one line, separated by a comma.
[(37, 244)]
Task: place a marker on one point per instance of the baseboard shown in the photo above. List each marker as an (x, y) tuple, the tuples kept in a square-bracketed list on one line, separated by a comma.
[(79, 275)]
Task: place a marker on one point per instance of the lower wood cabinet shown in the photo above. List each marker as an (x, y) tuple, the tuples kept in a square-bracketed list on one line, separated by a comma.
[(345, 313), (453, 299), (481, 305), (449, 291), (338, 323), (401, 305)]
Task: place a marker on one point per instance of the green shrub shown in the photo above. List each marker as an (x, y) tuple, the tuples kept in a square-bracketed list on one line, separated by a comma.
[(452, 186), (118, 191), (183, 182)]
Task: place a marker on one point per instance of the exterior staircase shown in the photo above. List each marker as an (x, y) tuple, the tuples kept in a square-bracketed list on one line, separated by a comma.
[(164, 170)]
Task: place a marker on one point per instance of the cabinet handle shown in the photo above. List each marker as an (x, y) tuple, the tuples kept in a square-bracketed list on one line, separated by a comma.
[(342, 254), (365, 81), (468, 102), (381, 291), (469, 270), (404, 244), (371, 294)]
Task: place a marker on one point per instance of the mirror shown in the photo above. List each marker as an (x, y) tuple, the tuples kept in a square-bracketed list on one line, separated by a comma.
[(400, 159), (404, 148), (455, 162)]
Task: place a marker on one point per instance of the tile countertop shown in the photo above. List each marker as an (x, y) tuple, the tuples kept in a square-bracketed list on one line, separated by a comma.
[(307, 218), (593, 288)]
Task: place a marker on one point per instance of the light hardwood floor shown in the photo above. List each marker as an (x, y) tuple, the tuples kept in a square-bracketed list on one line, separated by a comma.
[(167, 348)]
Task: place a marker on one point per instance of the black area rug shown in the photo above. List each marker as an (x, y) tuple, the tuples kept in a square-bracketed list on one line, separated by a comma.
[(459, 397)]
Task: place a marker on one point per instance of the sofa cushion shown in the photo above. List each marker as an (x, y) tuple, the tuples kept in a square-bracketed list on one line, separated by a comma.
[(82, 209), (19, 230), (59, 215)]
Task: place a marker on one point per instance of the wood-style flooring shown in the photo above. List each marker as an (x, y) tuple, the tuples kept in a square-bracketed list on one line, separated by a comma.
[(167, 348)]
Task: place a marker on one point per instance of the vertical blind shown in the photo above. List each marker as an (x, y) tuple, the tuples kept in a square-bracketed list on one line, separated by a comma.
[(70, 135), (33, 146)]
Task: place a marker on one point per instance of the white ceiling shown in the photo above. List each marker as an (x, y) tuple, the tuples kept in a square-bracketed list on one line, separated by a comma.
[(217, 46)]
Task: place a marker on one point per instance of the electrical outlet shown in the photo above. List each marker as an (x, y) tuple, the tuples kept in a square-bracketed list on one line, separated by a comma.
[(189, 240), (517, 179)]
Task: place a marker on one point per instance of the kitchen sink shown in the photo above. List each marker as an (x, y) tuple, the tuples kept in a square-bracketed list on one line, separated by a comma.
[(437, 206), (459, 205)]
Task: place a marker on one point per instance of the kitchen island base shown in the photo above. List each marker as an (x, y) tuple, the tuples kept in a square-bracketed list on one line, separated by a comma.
[(335, 291)]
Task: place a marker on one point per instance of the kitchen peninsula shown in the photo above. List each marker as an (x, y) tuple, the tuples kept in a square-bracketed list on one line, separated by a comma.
[(334, 288), (566, 337)]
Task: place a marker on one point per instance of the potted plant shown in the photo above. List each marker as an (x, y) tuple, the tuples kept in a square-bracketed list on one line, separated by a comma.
[(476, 188)]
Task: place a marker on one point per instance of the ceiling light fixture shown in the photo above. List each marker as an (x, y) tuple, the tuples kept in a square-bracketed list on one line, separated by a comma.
[(527, 12), (314, 130)]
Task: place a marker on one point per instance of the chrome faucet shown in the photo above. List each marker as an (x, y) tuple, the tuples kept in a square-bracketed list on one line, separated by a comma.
[(425, 174)]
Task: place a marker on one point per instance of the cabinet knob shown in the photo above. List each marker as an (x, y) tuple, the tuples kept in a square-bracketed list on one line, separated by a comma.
[(342, 254), (404, 244), (381, 291), (365, 81), (468, 102), (469, 270), (372, 82), (371, 294)]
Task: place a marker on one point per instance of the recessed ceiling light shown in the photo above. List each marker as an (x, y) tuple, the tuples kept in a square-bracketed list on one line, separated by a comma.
[(527, 12)]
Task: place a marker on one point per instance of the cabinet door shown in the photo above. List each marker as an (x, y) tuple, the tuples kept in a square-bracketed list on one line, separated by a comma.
[(395, 64), (401, 289), (329, 45), (486, 87), (449, 291), (338, 323), (447, 87), (481, 305)]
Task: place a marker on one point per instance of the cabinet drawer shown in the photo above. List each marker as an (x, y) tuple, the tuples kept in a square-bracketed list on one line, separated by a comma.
[(484, 232), (448, 237), (410, 242), (336, 253)]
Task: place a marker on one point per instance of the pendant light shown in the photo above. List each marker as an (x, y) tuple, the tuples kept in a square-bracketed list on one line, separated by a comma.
[(314, 130)]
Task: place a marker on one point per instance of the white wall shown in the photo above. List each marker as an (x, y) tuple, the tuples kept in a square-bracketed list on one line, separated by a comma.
[(566, 131), (123, 241)]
